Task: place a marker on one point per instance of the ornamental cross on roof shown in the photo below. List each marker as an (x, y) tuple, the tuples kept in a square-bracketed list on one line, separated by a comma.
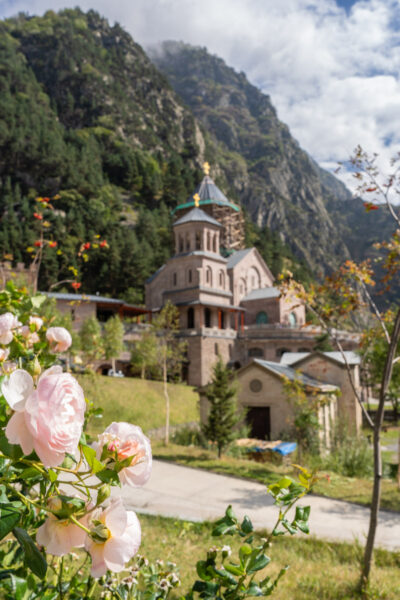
[(206, 168), (196, 199)]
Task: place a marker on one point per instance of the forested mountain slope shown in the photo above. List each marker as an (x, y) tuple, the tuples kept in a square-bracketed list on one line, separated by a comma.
[(85, 114)]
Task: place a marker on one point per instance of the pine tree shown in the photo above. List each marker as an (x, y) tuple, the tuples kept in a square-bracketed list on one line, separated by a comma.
[(222, 418)]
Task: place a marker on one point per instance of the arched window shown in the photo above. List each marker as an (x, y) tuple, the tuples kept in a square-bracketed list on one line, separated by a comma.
[(222, 319), (262, 318), (174, 279), (281, 351), (208, 240), (187, 242), (256, 353), (215, 242), (254, 278), (190, 318), (207, 317), (181, 245), (242, 287), (222, 279), (198, 241), (190, 276), (292, 319), (209, 276)]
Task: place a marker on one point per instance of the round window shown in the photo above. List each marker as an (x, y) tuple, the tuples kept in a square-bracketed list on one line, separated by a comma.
[(255, 385)]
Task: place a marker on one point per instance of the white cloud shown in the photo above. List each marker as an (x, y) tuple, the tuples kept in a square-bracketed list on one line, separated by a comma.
[(332, 74)]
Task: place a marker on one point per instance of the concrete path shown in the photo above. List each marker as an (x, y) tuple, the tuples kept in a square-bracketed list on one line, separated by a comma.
[(196, 495)]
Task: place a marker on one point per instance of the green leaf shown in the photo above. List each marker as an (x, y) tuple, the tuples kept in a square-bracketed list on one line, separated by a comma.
[(19, 587), (52, 475), (230, 514), (258, 562), (288, 526), (11, 450), (285, 483), (29, 473), (10, 515), (108, 476), (228, 579), (223, 529), (247, 525), (90, 455), (34, 559), (206, 589), (234, 569), (254, 590), (203, 570), (38, 300)]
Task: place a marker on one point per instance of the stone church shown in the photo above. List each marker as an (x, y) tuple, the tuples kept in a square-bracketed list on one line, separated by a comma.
[(225, 292)]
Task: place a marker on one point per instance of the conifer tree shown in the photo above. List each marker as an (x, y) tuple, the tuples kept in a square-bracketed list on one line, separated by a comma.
[(222, 418)]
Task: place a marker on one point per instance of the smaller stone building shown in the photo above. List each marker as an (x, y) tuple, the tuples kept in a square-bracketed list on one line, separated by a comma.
[(331, 367), (269, 413)]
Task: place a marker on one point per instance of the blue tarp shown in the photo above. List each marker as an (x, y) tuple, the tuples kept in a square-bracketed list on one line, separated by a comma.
[(285, 448)]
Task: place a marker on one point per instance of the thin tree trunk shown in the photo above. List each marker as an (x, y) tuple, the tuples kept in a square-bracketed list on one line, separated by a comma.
[(376, 494), (143, 371), (166, 395), (398, 466), (113, 364)]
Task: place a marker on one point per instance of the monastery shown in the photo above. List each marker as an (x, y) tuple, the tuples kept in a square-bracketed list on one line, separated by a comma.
[(228, 303)]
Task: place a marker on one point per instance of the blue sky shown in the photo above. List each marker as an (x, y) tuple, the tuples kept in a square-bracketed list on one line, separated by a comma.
[(331, 67)]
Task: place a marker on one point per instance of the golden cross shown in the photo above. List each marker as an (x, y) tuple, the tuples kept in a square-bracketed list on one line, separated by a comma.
[(206, 168), (196, 199)]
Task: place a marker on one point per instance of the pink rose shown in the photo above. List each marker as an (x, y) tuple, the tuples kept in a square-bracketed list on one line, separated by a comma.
[(59, 338), (128, 441), (60, 535), (30, 336), (115, 538), (8, 322), (4, 353), (36, 321), (48, 419)]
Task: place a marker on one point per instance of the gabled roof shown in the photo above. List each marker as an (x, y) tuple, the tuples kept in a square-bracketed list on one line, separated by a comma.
[(262, 293), (150, 279), (208, 193), (197, 215), (294, 358), (237, 256), (284, 371)]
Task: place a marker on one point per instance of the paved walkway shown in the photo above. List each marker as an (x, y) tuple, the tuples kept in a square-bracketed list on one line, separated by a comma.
[(196, 495)]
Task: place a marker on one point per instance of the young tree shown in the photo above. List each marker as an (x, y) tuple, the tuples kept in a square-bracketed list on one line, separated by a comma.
[(305, 408), (113, 339), (144, 355), (91, 341), (223, 415), (170, 351), (345, 295)]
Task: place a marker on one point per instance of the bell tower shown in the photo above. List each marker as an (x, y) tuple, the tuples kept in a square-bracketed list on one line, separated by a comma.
[(213, 202)]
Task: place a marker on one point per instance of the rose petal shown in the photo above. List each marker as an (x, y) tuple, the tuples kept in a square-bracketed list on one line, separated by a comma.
[(17, 388), (18, 433)]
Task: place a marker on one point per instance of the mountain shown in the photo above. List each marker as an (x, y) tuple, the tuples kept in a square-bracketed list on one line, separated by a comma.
[(88, 118), (277, 182), (85, 115)]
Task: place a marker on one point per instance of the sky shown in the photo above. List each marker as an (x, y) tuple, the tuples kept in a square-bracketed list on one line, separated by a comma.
[(331, 67)]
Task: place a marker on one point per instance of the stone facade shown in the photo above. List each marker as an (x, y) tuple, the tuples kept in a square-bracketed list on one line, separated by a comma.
[(262, 395), (323, 367)]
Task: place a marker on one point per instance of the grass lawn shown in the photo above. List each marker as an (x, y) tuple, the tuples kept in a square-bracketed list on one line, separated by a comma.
[(344, 488), (320, 570), (137, 401)]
